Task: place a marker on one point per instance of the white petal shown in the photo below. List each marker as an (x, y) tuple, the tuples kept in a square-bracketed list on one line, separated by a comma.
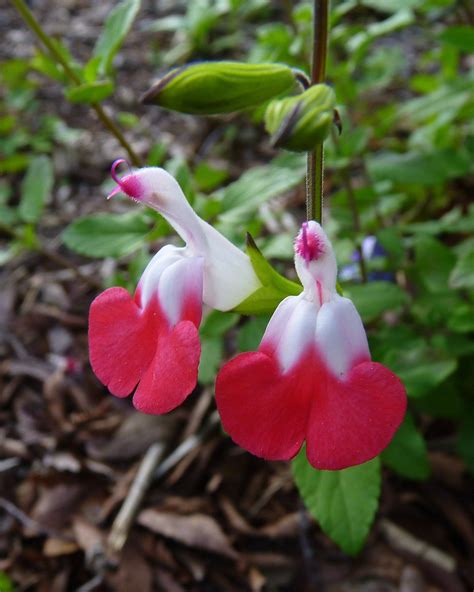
[(321, 267), (340, 335), (148, 284), (229, 277), (291, 331), (179, 282), (158, 189)]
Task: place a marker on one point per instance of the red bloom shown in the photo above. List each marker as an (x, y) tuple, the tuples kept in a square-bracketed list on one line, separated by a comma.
[(312, 378), (151, 340)]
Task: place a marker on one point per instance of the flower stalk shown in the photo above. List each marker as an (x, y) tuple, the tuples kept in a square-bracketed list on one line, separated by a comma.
[(315, 161), (109, 123)]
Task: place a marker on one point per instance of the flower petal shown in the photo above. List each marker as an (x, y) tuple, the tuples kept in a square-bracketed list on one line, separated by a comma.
[(172, 374), (353, 420), (229, 277), (262, 410), (180, 290), (341, 337), (122, 339), (291, 331)]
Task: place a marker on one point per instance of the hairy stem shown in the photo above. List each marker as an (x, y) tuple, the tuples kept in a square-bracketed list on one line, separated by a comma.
[(315, 162), (34, 25)]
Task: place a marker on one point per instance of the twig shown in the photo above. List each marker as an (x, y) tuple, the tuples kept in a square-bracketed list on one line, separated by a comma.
[(405, 541), (29, 522), (123, 522), (33, 24), (146, 473), (186, 446)]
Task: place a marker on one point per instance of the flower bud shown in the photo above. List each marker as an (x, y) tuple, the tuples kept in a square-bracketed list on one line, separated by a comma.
[(302, 122), (209, 88)]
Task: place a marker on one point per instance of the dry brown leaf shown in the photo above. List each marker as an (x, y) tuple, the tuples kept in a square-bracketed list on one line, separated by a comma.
[(55, 506), (134, 572), (56, 547), (89, 538), (197, 530), (133, 437)]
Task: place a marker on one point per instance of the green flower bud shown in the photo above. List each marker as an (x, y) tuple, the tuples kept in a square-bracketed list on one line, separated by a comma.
[(301, 122), (209, 88)]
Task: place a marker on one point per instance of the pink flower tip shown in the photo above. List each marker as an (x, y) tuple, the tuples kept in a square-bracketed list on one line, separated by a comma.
[(129, 184), (308, 244)]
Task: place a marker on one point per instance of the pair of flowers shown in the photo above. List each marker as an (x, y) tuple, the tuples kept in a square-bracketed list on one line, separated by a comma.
[(311, 379)]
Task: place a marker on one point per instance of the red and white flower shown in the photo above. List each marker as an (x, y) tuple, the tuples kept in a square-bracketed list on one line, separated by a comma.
[(151, 340), (312, 378)]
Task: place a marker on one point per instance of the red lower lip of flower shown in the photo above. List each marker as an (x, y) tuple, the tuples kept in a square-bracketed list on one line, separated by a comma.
[(129, 346), (344, 422)]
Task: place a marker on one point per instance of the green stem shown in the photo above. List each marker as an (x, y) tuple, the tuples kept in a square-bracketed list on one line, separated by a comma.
[(315, 162), (34, 25)]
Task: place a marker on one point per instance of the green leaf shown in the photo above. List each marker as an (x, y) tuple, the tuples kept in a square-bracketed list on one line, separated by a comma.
[(461, 37), (428, 250), (209, 88), (462, 275), (212, 333), (208, 177), (36, 188), (274, 288), (251, 333), (117, 25), (241, 199), (8, 216), (343, 502), (106, 235), (6, 585), (461, 319), (217, 323), (421, 368), (91, 92), (407, 453), (212, 350), (375, 298), (415, 168)]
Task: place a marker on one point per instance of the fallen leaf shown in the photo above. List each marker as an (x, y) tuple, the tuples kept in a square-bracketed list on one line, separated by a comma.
[(195, 530), (56, 547)]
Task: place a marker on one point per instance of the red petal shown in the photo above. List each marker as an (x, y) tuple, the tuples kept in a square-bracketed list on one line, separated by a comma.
[(261, 410), (345, 422), (122, 340), (353, 420), (172, 374)]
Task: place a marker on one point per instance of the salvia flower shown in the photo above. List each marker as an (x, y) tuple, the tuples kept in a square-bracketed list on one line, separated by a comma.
[(312, 378), (151, 339)]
